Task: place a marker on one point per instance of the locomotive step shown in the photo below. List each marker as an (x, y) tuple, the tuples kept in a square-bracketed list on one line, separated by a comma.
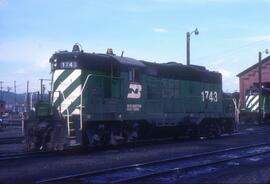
[(73, 141)]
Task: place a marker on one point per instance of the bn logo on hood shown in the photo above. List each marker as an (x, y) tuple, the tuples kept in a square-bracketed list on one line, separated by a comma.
[(134, 91)]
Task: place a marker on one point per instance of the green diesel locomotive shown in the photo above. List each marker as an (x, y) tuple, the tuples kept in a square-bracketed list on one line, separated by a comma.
[(101, 99)]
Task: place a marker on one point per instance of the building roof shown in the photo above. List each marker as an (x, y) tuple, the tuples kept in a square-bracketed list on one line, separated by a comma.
[(253, 67)]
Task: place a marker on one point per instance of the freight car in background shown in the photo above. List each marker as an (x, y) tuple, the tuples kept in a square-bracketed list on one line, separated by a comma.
[(101, 99)]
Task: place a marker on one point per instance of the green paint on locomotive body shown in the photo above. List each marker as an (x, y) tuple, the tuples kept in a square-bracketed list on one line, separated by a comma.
[(107, 98), (266, 104), (121, 88)]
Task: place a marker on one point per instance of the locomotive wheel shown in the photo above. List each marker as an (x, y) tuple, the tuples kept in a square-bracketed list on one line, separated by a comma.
[(218, 131), (193, 132), (131, 135), (94, 138), (123, 134), (116, 138), (213, 130), (130, 132), (39, 137)]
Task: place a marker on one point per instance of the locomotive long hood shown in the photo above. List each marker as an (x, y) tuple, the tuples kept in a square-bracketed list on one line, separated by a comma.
[(104, 62)]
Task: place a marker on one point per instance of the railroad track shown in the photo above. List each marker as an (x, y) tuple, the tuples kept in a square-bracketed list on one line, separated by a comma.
[(38, 154), (26, 155), (11, 140), (143, 171)]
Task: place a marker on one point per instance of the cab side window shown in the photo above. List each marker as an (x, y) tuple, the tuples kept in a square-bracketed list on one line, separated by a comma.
[(134, 75)]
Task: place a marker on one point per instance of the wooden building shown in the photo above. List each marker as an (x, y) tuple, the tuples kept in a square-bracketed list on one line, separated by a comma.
[(250, 78)]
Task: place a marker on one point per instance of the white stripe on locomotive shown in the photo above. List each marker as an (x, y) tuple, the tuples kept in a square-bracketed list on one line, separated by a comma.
[(255, 108), (252, 102), (249, 98), (66, 83), (63, 86), (56, 74), (71, 98)]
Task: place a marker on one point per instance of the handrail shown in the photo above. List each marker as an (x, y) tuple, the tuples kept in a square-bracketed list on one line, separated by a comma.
[(89, 75), (81, 98), (60, 92)]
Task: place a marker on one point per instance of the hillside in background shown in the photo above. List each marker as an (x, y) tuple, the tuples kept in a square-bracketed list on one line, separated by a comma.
[(9, 97)]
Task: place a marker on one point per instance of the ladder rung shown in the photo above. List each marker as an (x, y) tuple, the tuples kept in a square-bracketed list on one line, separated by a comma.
[(72, 137)]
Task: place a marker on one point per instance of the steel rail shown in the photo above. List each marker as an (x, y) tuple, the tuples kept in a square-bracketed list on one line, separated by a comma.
[(7, 157), (111, 171), (37, 154), (11, 140), (186, 169)]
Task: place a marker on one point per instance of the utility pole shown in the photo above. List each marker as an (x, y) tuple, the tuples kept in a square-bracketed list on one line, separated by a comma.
[(260, 88), (188, 48), (42, 88), (260, 84), (1, 88), (15, 93), (196, 32), (27, 98)]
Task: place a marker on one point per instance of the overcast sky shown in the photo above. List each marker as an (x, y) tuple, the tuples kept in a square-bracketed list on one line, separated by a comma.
[(231, 33)]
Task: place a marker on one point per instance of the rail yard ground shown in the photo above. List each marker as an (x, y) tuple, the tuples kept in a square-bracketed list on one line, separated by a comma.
[(250, 170)]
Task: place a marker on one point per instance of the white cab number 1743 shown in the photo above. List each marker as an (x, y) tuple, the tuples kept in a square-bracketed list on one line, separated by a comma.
[(209, 96)]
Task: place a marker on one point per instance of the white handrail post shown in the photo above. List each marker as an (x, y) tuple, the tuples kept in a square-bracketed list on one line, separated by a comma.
[(81, 107), (67, 114), (60, 92)]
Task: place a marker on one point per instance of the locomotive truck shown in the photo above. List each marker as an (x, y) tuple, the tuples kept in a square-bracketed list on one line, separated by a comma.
[(105, 99)]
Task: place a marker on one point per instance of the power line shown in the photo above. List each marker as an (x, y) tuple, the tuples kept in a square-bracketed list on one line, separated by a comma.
[(230, 51)]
